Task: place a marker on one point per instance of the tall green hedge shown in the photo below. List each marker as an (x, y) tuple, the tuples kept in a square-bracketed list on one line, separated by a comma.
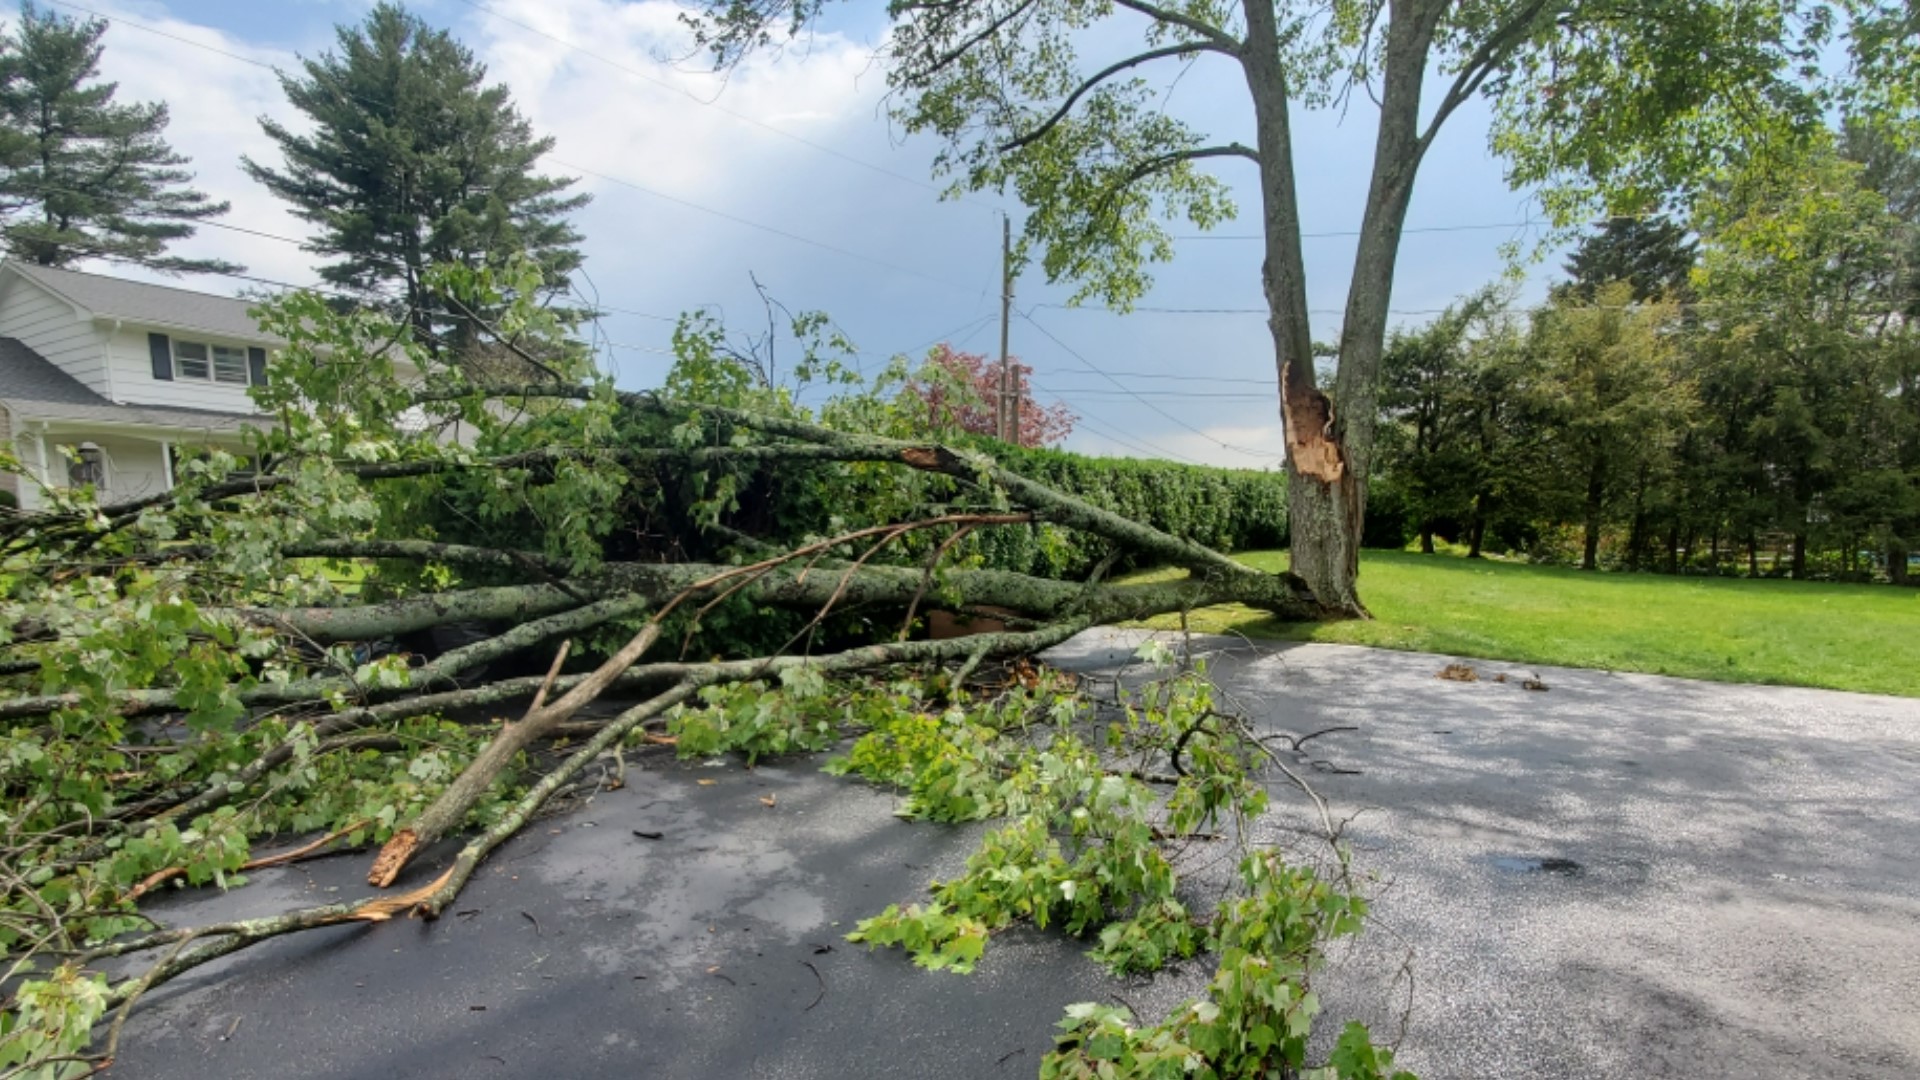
[(1226, 509)]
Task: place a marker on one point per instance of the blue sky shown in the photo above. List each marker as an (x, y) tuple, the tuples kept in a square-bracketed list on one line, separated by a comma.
[(799, 146)]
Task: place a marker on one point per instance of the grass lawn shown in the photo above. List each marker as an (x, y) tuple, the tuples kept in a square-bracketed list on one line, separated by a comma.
[(1843, 637)]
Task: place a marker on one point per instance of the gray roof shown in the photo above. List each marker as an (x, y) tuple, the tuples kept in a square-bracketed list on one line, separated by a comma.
[(32, 386), (157, 305)]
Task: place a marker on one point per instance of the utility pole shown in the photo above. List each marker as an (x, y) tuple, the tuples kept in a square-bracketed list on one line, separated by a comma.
[(1008, 422)]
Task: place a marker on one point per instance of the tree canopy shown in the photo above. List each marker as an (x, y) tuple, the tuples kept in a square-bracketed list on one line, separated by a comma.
[(1060, 103), (188, 674), (81, 175), (413, 159), (1774, 406), (962, 389)]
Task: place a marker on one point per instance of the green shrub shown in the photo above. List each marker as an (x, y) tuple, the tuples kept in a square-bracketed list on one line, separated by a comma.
[(1225, 509)]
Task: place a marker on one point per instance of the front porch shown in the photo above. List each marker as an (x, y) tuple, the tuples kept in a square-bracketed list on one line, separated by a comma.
[(122, 461)]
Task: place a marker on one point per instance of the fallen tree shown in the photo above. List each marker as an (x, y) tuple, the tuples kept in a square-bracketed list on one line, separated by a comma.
[(240, 658)]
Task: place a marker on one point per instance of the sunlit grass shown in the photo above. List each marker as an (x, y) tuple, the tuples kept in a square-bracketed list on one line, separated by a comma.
[(1843, 637)]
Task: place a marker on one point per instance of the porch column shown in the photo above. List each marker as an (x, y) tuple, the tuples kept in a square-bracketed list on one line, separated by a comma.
[(166, 461), (40, 455)]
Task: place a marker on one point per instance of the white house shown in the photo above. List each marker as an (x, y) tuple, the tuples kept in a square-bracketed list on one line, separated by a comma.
[(101, 379)]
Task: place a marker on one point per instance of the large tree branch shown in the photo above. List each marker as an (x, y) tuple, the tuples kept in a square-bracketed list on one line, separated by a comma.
[(895, 587), (122, 513), (1206, 30), (1483, 62), (431, 900), (1184, 48), (1159, 162), (1284, 594), (935, 64)]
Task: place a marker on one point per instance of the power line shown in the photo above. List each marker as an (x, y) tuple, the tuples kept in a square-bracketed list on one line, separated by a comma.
[(776, 231), (894, 267), (611, 310), (157, 32), (1269, 383), (1162, 394), (1131, 442), (1356, 232), (1091, 366), (714, 104)]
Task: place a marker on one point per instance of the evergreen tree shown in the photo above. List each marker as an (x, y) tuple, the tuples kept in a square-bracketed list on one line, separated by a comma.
[(1617, 403), (82, 177), (412, 159), (1651, 254)]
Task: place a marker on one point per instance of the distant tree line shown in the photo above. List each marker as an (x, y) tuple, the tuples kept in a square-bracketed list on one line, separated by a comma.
[(1735, 394)]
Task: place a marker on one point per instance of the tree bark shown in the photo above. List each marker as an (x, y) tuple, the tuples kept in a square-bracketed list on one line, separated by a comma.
[(1637, 530), (447, 811), (1330, 440), (1896, 561), (1426, 538), (1324, 539), (1041, 599), (1596, 497)]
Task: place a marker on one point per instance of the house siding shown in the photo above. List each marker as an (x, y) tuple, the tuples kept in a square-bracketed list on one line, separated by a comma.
[(134, 384), (50, 326)]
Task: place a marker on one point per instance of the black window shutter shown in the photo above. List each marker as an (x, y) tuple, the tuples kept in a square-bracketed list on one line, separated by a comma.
[(162, 351), (257, 365)]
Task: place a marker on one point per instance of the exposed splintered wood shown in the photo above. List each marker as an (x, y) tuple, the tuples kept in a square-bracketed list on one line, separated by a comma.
[(330, 707), (1312, 443), (431, 899), (447, 811)]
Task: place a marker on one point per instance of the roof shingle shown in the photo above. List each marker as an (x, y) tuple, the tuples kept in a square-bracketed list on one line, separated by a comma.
[(158, 305)]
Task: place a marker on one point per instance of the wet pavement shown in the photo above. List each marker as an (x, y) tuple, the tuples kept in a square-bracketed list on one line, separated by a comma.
[(1620, 876)]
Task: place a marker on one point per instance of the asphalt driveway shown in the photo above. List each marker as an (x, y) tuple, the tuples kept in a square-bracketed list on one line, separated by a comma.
[(1619, 876)]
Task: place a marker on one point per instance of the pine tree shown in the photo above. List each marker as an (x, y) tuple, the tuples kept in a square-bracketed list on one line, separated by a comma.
[(412, 159), (82, 177), (1653, 255)]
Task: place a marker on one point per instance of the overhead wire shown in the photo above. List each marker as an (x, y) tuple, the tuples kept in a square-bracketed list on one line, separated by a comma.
[(715, 105), (1091, 366), (621, 181), (1111, 431), (763, 227), (1328, 234)]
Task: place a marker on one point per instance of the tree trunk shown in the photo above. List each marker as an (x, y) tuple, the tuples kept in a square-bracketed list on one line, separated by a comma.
[(1799, 555), (1596, 492), (1329, 452), (1896, 561), (1753, 555), (1426, 538), (1637, 531)]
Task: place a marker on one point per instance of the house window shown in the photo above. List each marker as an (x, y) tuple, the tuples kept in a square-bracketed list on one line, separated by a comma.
[(229, 365), (214, 363), (190, 360)]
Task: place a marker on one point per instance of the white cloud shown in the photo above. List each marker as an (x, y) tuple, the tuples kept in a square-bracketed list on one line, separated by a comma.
[(214, 102), (821, 180)]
